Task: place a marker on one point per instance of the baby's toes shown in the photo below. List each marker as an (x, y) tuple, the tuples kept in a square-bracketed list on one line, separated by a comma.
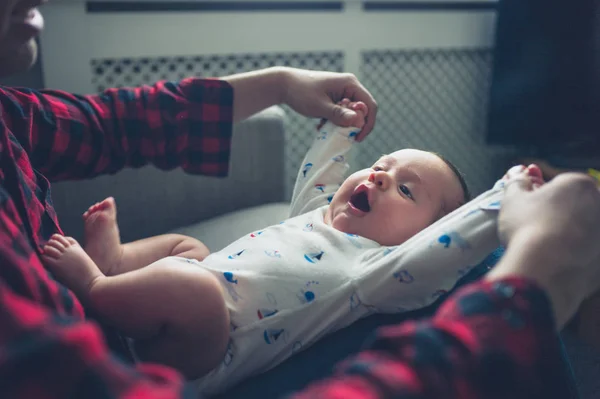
[(91, 210), (62, 240), (51, 251), (58, 241)]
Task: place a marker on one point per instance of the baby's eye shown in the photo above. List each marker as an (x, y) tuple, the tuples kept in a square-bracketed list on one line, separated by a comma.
[(406, 191), (377, 168)]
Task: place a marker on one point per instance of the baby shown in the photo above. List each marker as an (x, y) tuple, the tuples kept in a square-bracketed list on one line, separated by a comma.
[(248, 307)]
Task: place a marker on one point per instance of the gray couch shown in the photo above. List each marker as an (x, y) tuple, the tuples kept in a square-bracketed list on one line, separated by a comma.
[(214, 210)]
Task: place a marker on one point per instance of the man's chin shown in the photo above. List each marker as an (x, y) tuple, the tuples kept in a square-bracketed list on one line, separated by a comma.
[(20, 61)]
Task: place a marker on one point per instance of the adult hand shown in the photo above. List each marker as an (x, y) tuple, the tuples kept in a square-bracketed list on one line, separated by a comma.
[(316, 94), (552, 234)]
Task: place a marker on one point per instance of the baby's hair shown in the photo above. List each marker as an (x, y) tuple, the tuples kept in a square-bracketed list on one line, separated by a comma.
[(459, 176), (457, 173)]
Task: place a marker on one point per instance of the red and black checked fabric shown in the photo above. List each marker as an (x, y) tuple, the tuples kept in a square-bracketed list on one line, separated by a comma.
[(487, 341), (47, 348)]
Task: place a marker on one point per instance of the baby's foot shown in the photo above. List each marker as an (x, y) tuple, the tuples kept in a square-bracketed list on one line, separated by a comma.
[(533, 173), (71, 265), (102, 240)]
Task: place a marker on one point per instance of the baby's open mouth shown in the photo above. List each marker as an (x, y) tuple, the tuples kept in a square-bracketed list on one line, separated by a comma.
[(360, 200)]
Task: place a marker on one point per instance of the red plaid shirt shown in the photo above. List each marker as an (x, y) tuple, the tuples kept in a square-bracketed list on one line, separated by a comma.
[(488, 341)]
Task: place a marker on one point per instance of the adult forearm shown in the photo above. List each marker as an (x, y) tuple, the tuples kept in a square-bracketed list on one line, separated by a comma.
[(529, 256), (255, 91)]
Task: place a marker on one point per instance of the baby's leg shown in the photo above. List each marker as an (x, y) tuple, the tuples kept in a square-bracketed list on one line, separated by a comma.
[(176, 313), (103, 244)]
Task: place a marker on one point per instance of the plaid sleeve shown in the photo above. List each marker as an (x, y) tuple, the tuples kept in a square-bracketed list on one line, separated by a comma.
[(67, 136), (489, 340)]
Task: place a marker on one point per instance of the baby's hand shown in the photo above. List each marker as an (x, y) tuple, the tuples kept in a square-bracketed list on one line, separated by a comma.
[(532, 173), (357, 106)]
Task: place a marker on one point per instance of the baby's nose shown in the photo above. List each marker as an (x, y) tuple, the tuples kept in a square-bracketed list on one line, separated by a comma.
[(377, 178)]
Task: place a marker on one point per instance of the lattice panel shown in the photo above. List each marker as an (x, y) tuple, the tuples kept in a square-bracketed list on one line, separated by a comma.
[(433, 100), (137, 71)]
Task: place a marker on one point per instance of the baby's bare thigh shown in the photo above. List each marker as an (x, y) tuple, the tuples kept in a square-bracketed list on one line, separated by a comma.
[(196, 320)]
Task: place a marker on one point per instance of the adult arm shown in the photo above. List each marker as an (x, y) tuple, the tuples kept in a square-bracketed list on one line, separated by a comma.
[(68, 136), (314, 94), (170, 124)]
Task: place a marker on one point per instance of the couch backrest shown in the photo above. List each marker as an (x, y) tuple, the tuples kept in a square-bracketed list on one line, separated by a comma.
[(151, 201)]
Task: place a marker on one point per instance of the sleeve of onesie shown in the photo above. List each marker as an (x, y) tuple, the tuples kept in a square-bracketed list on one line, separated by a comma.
[(323, 169), (417, 272)]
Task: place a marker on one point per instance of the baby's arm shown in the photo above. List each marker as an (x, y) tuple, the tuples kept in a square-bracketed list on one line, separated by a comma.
[(413, 275), (324, 166)]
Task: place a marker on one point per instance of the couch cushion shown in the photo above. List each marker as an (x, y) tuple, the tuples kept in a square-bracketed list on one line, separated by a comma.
[(152, 201), (218, 232)]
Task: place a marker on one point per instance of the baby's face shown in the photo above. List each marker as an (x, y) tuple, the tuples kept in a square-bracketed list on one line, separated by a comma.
[(397, 197)]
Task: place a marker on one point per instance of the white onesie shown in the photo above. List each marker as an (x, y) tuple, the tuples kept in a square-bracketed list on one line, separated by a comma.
[(290, 284)]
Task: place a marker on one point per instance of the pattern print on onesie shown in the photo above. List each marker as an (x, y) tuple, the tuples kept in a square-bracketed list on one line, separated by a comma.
[(404, 276), (354, 240), (314, 257), (231, 281), (236, 255), (266, 312), (273, 253), (274, 336), (306, 168), (307, 294), (451, 240), (492, 206), (352, 136), (320, 187)]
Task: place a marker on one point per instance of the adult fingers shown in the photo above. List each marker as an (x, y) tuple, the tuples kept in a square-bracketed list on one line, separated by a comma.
[(341, 116)]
